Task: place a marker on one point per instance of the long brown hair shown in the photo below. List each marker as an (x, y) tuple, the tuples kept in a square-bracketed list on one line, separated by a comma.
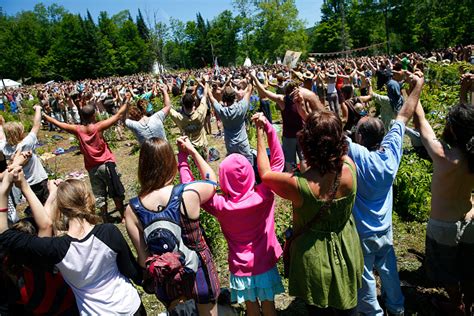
[(75, 199), (322, 141), (156, 165)]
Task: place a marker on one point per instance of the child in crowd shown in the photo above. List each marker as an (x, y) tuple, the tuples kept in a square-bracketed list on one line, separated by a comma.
[(93, 258), (246, 215), (14, 141)]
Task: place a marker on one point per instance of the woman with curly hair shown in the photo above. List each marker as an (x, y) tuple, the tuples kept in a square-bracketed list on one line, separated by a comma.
[(326, 257)]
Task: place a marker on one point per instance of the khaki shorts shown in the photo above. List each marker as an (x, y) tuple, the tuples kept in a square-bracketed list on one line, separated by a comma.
[(101, 184)]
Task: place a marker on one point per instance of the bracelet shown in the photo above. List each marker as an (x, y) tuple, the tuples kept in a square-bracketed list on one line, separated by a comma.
[(4, 210)]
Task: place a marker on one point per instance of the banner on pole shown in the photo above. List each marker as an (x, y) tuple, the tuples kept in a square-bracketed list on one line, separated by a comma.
[(291, 58)]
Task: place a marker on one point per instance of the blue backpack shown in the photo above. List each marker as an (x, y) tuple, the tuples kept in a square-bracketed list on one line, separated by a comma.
[(162, 229)]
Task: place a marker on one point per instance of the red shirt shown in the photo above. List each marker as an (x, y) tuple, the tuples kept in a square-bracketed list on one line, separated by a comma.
[(93, 146), (339, 83)]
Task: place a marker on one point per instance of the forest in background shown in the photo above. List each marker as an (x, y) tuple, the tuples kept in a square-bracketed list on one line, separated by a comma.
[(52, 43)]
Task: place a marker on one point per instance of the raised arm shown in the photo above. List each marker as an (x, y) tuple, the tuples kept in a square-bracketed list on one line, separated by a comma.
[(2, 133), (105, 124), (428, 137), (367, 98), (186, 147), (408, 108), (64, 126), (371, 66), (36, 119), (277, 98), (248, 92), (277, 159), (166, 99), (211, 97), (282, 183), (5, 188), (41, 216)]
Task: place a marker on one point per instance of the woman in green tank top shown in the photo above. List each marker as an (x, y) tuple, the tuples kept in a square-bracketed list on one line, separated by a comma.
[(326, 259)]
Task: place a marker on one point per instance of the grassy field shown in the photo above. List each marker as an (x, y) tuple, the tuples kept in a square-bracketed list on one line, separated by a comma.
[(408, 236)]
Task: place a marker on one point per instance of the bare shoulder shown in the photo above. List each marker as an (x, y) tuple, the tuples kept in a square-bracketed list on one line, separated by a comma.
[(348, 176)]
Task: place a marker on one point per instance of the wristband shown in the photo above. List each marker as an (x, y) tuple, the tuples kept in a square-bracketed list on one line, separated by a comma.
[(4, 210)]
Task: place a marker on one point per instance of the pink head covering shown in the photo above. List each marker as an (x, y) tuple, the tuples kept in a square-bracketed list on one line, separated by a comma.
[(236, 177)]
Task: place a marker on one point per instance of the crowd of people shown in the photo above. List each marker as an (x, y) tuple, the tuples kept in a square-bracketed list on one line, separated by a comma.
[(336, 164)]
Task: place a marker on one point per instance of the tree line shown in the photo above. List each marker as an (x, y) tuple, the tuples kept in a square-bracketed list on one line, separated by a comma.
[(52, 43)]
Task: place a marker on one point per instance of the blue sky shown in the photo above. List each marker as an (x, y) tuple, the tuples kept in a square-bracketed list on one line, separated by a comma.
[(184, 10)]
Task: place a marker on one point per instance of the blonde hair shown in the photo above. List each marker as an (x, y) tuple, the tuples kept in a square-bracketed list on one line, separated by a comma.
[(74, 200), (14, 132)]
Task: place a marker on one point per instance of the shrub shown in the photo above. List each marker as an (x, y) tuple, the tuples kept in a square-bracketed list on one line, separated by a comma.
[(412, 188)]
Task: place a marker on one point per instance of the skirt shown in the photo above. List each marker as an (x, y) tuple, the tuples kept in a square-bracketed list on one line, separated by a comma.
[(262, 286)]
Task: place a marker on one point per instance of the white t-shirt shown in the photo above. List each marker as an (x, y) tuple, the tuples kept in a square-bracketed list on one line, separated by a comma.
[(152, 128), (34, 170)]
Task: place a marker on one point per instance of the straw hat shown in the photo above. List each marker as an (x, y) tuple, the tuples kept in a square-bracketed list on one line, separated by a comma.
[(308, 75)]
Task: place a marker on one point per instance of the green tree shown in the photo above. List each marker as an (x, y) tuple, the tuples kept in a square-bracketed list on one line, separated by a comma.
[(246, 35), (279, 29), (66, 54), (200, 48), (143, 30), (223, 38)]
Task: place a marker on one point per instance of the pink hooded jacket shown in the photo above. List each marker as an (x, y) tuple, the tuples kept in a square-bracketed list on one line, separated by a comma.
[(245, 210)]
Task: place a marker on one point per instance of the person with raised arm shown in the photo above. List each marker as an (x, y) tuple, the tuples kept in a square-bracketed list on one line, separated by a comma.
[(245, 212), (146, 127), (99, 160), (450, 229), (232, 112), (326, 258), (13, 140), (292, 121), (190, 119), (377, 158), (93, 258), (163, 221)]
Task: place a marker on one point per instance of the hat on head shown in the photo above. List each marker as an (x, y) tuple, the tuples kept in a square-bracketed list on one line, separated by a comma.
[(308, 75)]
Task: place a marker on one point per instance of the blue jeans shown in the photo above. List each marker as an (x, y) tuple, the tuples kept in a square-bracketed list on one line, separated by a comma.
[(291, 149), (379, 254)]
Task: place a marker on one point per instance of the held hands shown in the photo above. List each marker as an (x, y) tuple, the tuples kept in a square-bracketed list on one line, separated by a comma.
[(301, 107), (53, 186), (163, 88), (20, 159), (416, 78), (9, 177), (259, 120), (185, 145)]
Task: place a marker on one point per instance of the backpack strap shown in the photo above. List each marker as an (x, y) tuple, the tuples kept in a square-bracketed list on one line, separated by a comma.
[(192, 190), (134, 204)]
